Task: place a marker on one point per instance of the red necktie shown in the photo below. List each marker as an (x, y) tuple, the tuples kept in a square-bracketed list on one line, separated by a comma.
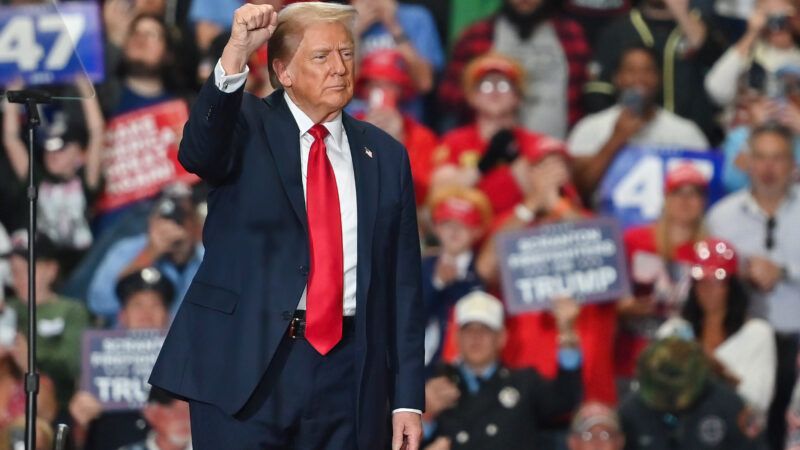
[(326, 278)]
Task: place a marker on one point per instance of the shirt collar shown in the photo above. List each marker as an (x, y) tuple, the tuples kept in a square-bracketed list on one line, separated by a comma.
[(751, 206), (304, 123)]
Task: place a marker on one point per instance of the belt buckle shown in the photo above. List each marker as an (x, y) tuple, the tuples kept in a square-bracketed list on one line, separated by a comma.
[(293, 327)]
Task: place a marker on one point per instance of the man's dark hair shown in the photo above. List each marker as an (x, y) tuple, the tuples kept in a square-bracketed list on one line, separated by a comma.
[(772, 127), (637, 48), (167, 70), (735, 313), (526, 24)]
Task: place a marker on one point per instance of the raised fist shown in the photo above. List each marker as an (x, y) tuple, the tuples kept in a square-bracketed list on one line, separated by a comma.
[(252, 27)]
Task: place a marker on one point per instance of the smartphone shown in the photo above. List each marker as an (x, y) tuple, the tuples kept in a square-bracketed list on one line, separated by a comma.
[(633, 100)]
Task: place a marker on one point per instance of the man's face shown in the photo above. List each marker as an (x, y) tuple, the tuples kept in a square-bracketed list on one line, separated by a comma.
[(771, 164), (599, 437), (494, 95), (170, 421), (479, 344), (144, 310), (146, 44), (46, 273), (525, 6), (455, 237), (319, 76), (638, 71)]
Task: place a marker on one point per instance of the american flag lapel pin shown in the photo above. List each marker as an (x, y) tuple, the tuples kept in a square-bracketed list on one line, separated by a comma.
[(368, 152)]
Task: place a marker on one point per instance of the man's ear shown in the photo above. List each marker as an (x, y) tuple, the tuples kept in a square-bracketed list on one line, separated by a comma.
[(282, 72)]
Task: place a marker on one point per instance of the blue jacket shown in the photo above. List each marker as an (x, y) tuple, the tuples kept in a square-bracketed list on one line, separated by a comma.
[(256, 263)]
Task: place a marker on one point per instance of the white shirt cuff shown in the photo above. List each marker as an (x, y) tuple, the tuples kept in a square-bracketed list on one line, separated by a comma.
[(407, 410), (229, 83)]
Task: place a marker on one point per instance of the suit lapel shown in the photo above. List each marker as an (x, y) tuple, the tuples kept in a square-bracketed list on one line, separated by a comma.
[(365, 167), (284, 141)]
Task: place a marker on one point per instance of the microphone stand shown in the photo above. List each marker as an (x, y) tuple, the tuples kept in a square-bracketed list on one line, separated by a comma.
[(32, 98)]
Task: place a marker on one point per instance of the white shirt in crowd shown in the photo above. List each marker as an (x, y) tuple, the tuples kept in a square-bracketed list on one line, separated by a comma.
[(750, 355), (665, 130), (738, 219)]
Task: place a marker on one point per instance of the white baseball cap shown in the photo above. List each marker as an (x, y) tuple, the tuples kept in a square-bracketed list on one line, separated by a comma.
[(480, 307)]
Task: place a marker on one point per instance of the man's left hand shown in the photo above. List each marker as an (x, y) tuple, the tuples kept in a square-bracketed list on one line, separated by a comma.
[(406, 430)]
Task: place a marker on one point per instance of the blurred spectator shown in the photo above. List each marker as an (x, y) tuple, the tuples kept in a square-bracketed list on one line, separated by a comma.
[(118, 14), (716, 314), (409, 29), (383, 85), (679, 405), (5, 270), (760, 222), (69, 179), (636, 120), (171, 244), (169, 420), (146, 73), (533, 337), (594, 15), (659, 256), (13, 362), (732, 16), (549, 46), (768, 45), (480, 404), (484, 153), (13, 437), (460, 218), (596, 427), (146, 296), (60, 321), (680, 38)]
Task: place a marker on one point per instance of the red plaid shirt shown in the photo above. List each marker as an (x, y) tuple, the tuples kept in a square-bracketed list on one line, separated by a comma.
[(479, 38)]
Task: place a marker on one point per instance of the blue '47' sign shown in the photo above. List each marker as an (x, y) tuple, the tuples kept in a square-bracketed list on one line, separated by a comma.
[(45, 44), (633, 187)]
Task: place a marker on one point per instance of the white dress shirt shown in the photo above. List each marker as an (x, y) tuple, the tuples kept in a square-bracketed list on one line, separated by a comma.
[(338, 151)]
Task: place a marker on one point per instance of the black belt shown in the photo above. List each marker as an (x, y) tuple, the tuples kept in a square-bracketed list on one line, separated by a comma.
[(297, 326)]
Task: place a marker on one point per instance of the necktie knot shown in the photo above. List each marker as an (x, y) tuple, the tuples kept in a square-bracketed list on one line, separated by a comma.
[(318, 132)]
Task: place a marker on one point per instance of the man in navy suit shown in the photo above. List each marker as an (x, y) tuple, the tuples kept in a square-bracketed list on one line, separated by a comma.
[(303, 326)]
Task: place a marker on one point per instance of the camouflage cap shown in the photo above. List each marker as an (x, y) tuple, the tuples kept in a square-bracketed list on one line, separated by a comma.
[(672, 373)]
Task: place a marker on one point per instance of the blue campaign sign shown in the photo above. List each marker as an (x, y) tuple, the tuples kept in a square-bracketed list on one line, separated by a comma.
[(583, 259), (45, 44), (633, 187), (116, 365)]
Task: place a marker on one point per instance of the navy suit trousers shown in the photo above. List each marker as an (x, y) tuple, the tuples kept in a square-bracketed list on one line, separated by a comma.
[(305, 401)]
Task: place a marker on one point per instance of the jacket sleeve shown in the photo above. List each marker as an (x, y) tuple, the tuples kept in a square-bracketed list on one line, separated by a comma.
[(409, 326), (558, 397), (208, 147)]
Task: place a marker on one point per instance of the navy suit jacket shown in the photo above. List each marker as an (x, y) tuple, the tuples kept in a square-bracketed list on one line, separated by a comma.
[(256, 263)]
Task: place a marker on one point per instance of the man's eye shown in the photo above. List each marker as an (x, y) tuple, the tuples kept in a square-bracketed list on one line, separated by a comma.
[(347, 54), (319, 58)]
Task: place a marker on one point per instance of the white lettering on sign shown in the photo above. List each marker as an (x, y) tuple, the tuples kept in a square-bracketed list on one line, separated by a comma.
[(18, 43), (573, 284), (122, 389), (642, 188)]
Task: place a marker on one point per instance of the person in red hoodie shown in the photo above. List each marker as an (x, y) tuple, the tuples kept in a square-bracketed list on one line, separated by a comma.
[(550, 197), (484, 153), (383, 84), (658, 257)]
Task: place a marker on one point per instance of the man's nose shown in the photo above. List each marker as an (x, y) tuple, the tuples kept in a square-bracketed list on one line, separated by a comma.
[(337, 64)]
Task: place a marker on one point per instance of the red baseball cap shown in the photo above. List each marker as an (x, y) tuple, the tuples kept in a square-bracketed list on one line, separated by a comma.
[(713, 258), (535, 147), (386, 65), (460, 210), (683, 175)]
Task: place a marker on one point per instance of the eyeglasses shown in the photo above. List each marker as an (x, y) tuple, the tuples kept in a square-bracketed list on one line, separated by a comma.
[(500, 86), (600, 436), (769, 241)]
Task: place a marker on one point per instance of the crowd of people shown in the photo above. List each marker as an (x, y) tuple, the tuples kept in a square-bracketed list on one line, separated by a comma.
[(513, 113)]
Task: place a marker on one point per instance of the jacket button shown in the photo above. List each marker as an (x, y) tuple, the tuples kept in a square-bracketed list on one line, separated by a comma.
[(286, 315)]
